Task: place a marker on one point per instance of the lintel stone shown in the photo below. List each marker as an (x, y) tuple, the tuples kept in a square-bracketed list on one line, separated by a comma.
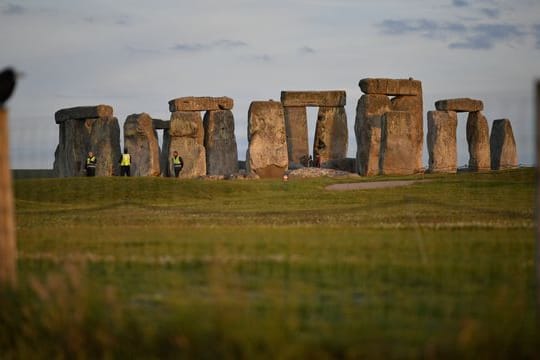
[(391, 87), (331, 98), (83, 113), (206, 103), (161, 124), (459, 105)]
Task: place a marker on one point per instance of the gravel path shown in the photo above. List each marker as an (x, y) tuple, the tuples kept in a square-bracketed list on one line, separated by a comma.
[(372, 185)]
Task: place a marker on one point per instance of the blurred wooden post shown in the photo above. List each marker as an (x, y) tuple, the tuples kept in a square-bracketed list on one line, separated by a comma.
[(8, 248)]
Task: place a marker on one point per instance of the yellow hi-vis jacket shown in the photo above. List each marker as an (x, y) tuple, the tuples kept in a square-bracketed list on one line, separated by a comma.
[(91, 161), (126, 160)]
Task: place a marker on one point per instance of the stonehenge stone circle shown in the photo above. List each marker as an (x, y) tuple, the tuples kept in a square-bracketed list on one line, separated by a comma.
[(397, 155), (478, 141), (220, 143), (205, 103), (84, 129), (267, 151), (503, 146), (459, 105), (186, 135), (140, 138), (371, 110), (441, 141), (331, 134), (367, 127)]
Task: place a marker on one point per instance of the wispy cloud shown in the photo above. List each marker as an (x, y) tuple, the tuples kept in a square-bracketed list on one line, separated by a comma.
[(460, 3), (264, 58), (13, 9), (491, 13), (536, 32), (457, 35), (486, 36), (222, 44), (307, 50)]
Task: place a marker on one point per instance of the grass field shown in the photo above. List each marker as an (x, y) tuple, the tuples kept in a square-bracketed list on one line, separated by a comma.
[(160, 268)]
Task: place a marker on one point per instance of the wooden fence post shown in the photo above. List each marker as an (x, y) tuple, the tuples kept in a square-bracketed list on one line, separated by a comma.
[(8, 247)]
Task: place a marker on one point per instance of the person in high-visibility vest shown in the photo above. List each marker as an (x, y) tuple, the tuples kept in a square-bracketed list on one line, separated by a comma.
[(177, 162), (125, 163), (90, 164)]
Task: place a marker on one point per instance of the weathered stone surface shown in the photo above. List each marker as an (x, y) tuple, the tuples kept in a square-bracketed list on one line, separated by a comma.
[(267, 152), (193, 103), (332, 98), (297, 135), (459, 105), (164, 154), (397, 156), (391, 87), (367, 128), (345, 164), (441, 141), (160, 124), (503, 146), (220, 143), (83, 112), (186, 135), (331, 134), (141, 140), (78, 137), (478, 140), (414, 105), (187, 124)]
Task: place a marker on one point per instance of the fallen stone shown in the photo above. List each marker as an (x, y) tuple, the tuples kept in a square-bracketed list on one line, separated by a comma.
[(332, 98), (459, 105), (78, 137), (478, 140), (186, 135), (312, 172), (297, 135), (441, 141), (331, 134), (141, 140), (83, 113), (160, 124), (397, 156), (391, 87), (205, 103), (367, 128), (503, 146), (414, 105), (220, 143), (267, 151)]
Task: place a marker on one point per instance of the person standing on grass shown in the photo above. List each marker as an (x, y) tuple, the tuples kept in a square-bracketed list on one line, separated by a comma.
[(178, 163), (90, 164), (125, 163)]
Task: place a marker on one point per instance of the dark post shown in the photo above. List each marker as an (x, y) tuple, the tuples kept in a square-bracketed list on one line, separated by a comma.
[(8, 249)]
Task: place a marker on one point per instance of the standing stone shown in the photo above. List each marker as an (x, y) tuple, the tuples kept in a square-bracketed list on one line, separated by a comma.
[(414, 105), (297, 135), (267, 150), (478, 140), (441, 141), (503, 146), (140, 139), (367, 128), (331, 134), (79, 136), (398, 141), (220, 143), (186, 136), (164, 155)]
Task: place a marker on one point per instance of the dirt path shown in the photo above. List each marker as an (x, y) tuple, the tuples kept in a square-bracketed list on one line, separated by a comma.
[(372, 185)]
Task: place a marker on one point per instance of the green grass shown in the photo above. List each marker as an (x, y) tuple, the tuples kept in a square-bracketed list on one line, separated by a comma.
[(153, 268)]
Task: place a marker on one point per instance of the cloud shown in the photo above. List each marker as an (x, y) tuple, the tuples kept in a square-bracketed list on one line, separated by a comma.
[(222, 44), (491, 13), (306, 50), (536, 32), (13, 9), (260, 58), (458, 35), (460, 3), (486, 36)]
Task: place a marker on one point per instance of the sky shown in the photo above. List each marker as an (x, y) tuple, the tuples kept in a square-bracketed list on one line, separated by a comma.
[(137, 55)]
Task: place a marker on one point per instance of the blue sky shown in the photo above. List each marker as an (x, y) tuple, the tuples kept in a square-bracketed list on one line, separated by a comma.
[(137, 55)]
